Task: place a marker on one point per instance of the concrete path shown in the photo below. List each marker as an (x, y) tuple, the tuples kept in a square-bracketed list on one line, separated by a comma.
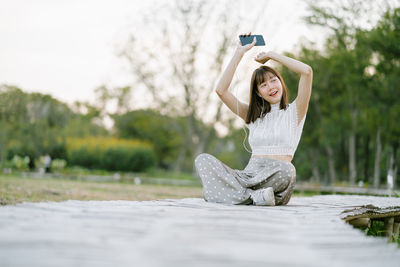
[(191, 232)]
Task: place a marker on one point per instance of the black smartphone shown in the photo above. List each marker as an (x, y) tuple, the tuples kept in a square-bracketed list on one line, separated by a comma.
[(248, 39)]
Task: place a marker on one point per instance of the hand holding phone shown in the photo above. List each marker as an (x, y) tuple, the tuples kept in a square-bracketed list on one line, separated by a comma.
[(248, 39)]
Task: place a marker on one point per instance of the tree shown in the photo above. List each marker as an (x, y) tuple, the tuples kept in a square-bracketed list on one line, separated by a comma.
[(160, 130), (33, 123), (349, 60), (383, 44), (182, 57), (319, 138), (86, 120)]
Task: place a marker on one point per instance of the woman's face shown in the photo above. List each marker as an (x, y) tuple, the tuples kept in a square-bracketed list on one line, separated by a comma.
[(271, 88)]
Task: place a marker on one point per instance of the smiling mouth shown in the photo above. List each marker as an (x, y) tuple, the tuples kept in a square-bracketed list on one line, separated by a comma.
[(273, 94)]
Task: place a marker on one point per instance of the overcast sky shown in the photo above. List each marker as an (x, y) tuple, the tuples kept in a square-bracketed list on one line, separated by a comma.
[(67, 48)]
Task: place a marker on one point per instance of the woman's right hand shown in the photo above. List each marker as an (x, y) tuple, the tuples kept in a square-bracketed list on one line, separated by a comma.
[(244, 48)]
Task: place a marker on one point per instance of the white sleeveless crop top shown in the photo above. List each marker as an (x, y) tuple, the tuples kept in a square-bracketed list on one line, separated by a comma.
[(278, 133)]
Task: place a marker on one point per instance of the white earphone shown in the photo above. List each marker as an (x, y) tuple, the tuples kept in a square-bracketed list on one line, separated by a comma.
[(237, 108)]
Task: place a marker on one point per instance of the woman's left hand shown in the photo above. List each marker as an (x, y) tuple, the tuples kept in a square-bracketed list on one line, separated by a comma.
[(262, 57)]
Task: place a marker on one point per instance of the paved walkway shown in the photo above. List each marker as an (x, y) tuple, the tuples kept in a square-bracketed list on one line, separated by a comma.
[(191, 232)]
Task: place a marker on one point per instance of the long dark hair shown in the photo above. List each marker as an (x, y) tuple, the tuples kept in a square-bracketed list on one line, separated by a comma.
[(256, 102)]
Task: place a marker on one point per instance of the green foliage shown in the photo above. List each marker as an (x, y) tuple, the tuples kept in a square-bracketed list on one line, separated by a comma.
[(354, 91), (230, 149), (54, 148), (110, 154), (378, 229), (162, 173), (383, 42), (58, 164), (85, 121), (86, 157), (32, 124), (20, 163), (128, 159), (356, 75), (57, 150), (162, 131)]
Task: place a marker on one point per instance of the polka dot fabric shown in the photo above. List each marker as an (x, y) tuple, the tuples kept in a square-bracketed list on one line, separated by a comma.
[(222, 184)]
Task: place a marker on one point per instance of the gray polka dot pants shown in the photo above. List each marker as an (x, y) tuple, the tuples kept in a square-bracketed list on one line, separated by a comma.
[(222, 184)]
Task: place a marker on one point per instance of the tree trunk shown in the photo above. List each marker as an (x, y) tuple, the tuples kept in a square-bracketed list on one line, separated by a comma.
[(377, 158), (390, 172), (180, 159), (395, 147), (366, 163), (331, 165), (314, 168), (352, 149), (205, 139), (352, 159), (186, 143), (392, 169)]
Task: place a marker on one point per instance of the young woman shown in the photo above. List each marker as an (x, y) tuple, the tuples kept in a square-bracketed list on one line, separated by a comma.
[(275, 128)]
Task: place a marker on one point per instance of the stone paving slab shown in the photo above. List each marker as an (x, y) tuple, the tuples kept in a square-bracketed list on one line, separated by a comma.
[(191, 232)]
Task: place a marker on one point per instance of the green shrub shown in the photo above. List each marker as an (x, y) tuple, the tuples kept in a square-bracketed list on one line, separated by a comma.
[(111, 154), (20, 163), (18, 150), (87, 157), (55, 150), (127, 159), (58, 151), (58, 164)]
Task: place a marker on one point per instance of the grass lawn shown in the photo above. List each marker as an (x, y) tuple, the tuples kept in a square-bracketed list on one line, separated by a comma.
[(14, 189)]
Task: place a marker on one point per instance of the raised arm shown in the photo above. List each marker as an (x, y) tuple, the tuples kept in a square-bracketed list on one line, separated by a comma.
[(305, 83), (227, 97)]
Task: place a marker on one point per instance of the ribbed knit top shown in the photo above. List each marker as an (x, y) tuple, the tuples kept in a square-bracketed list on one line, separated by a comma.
[(278, 133)]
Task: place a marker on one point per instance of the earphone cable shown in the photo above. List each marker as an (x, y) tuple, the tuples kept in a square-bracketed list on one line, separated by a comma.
[(237, 110)]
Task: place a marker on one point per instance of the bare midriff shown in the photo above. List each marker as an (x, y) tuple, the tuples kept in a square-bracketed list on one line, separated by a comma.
[(278, 157)]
